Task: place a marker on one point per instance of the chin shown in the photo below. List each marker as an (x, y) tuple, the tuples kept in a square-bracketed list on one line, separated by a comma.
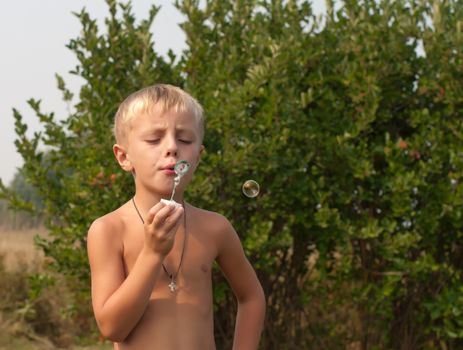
[(163, 191)]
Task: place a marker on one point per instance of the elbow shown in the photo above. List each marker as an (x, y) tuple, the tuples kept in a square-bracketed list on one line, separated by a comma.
[(256, 298), (115, 338), (262, 299), (259, 296), (111, 332)]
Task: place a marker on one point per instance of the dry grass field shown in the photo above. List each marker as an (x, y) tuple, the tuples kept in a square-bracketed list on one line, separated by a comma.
[(18, 257), (17, 247)]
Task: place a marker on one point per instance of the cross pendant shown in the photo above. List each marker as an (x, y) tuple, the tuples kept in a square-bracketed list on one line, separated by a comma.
[(172, 285)]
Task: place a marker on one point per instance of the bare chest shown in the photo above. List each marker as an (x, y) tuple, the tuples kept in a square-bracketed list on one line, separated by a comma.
[(189, 263)]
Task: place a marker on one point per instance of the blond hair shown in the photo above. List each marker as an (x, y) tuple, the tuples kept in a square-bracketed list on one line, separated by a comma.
[(157, 98)]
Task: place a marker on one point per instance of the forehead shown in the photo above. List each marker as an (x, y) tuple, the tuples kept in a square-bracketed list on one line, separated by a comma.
[(155, 121)]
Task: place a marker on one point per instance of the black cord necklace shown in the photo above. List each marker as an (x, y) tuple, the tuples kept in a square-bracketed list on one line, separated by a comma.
[(173, 277)]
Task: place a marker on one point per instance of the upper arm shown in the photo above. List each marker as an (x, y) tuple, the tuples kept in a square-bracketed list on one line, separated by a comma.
[(234, 264), (104, 248)]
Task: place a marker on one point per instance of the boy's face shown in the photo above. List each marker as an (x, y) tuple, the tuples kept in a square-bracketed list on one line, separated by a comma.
[(155, 143)]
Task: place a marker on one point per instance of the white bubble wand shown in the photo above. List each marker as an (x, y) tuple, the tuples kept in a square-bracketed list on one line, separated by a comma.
[(180, 169)]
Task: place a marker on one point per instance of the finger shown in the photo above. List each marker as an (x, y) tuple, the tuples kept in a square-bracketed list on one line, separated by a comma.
[(153, 211), (162, 215), (173, 221)]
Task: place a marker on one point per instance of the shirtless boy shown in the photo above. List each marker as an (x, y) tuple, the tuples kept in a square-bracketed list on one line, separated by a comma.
[(151, 262)]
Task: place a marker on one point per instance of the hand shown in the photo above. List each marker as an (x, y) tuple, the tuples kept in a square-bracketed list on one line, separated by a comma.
[(161, 224)]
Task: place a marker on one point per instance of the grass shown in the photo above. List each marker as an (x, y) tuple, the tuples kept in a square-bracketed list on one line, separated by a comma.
[(19, 258), (11, 342), (17, 247)]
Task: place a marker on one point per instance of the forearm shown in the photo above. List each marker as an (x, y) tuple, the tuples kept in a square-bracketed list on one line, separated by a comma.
[(124, 308), (249, 323)]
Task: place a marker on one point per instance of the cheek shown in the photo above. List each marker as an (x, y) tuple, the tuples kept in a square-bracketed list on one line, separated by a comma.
[(193, 159), (139, 156), (144, 150)]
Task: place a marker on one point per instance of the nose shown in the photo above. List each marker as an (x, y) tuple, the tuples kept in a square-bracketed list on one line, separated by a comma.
[(171, 153), (171, 147)]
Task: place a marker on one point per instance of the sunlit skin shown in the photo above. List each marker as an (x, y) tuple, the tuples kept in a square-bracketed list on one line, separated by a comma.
[(132, 302)]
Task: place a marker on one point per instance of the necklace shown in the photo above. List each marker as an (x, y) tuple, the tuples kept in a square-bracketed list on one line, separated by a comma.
[(172, 276)]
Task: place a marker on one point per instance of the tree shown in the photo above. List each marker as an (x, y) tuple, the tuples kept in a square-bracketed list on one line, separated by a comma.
[(24, 193), (345, 121), (345, 126)]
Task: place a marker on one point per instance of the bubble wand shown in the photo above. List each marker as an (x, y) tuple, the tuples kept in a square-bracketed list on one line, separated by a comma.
[(180, 169)]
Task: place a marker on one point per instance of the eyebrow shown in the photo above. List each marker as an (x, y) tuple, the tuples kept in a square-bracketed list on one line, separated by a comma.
[(159, 130), (151, 131)]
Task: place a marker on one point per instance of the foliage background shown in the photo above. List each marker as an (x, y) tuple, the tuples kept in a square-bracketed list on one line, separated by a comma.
[(351, 123)]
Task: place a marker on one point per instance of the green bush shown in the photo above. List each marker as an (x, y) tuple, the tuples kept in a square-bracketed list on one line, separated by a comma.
[(351, 123)]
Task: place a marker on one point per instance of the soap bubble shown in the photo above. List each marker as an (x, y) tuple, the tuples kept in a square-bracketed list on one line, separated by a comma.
[(251, 188), (181, 167), (406, 224)]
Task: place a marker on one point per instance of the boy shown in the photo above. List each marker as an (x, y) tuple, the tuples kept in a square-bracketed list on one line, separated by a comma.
[(151, 262)]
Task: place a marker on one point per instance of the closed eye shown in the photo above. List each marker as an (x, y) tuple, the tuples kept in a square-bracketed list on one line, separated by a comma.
[(153, 141), (186, 141)]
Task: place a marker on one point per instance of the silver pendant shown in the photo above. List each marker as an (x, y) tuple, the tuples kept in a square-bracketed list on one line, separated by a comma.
[(172, 285)]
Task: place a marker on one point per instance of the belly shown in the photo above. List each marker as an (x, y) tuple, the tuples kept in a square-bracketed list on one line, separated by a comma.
[(175, 321)]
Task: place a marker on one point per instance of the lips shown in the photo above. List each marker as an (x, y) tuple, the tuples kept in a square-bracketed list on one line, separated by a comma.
[(169, 167)]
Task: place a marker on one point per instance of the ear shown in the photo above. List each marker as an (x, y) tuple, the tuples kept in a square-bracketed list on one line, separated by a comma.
[(201, 150), (122, 157)]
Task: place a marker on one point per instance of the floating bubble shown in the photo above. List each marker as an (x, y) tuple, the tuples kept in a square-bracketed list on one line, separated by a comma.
[(251, 188), (406, 224), (181, 167)]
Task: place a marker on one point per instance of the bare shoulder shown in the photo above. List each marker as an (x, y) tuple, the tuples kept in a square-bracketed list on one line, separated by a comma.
[(108, 229), (212, 222), (216, 227)]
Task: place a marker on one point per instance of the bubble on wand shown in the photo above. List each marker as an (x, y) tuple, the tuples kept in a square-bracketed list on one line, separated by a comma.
[(180, 169)]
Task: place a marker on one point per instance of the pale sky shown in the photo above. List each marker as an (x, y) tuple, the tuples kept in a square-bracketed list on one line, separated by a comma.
[(33, 35)]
